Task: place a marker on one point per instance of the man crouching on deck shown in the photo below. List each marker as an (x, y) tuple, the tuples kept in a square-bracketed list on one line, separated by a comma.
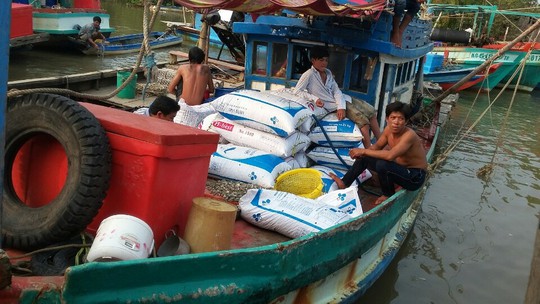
[(404, 163)]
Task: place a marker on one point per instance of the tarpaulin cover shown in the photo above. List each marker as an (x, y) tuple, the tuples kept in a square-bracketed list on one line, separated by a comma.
[(351, 8)]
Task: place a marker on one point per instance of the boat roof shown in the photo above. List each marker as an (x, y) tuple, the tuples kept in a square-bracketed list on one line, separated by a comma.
[(349, 8)]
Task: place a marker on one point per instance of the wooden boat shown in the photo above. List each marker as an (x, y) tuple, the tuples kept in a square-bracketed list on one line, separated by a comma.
[(337, 264), (531, 73), (62, 22), (473, 57), (131, 43), (446, 77), (21, 29), (482, 46)]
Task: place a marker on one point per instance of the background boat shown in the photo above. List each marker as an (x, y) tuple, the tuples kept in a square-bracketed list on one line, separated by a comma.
[(480, 43), (21, 29), (131, 43), (62, 20), (447, 76)]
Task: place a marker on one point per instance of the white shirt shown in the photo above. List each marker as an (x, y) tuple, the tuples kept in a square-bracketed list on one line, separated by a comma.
[(328, 92)]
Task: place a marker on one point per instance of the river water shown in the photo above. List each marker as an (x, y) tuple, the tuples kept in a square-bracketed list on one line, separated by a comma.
[(473, 239)]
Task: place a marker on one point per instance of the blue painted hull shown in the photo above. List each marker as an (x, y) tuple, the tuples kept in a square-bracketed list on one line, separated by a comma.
[(132, 43)]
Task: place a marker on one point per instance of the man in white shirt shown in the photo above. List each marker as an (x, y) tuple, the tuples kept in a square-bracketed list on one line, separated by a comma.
[(318, 80)]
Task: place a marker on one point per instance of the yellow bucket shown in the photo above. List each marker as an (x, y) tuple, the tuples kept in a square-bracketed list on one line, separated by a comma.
[(303, 182)]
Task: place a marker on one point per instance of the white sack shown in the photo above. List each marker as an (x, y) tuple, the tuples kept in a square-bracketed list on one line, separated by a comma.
[(247, 165), (262, 111), (342, 133), (249, 137), (288, 214)]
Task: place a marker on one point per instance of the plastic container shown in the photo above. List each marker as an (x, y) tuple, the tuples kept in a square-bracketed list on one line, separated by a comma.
[(121, 237), (21, 20), (223, 91), (158, 167), (128, 92), (96, 4), (303, 182)]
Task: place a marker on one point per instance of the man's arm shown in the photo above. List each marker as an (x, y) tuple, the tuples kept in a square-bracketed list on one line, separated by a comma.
[(302, 83), (176, 79), (390, 155), (211, 88)]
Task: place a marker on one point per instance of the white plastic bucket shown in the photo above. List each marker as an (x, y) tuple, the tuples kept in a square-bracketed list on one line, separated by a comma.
[(121, 237)]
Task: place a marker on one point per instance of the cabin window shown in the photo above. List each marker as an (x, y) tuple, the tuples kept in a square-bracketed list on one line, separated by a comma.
[(337, 63), (259, 58), (360, 74), (301, 61), (279, 60), (405, 72)]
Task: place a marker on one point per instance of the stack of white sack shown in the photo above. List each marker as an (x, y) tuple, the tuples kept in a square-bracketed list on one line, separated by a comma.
[(262, 111), (241, 135), (268, 122), (296, 216), (247, 165)]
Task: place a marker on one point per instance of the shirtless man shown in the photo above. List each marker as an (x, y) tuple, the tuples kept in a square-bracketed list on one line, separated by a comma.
[(404, 163), (195, 79)]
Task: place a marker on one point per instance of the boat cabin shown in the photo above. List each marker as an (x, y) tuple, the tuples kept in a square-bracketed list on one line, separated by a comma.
[(366, 65)]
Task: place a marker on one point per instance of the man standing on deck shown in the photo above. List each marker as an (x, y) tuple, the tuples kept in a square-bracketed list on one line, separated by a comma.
[(404, 163), (194, 80)]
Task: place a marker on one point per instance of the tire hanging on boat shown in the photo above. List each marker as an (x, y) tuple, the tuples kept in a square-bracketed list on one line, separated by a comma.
[(88, 170)]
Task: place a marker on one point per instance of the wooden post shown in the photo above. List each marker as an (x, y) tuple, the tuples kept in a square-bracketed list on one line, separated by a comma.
[(210, 225)]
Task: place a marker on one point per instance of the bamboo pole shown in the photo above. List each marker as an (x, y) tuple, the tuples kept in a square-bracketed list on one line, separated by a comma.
[(486, 63)]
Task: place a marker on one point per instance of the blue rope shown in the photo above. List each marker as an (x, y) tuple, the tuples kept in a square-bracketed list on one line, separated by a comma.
[(149, 63), (317, 121)]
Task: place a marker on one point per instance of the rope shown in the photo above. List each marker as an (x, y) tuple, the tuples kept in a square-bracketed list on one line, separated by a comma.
[(145, 48), (459, 137), (485, 172), (317, 121)]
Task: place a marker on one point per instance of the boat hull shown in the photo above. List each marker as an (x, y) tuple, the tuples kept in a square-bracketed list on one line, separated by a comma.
[(62, 22), (132, 43), (473, 57)]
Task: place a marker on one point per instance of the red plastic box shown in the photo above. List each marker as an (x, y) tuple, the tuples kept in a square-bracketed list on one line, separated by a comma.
[(21, 20), (87, 4), (158, 168)]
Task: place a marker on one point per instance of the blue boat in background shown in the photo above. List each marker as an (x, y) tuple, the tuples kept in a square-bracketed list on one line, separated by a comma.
[(131, 43)]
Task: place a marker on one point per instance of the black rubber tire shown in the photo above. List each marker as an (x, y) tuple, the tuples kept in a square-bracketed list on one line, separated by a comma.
[(89, 169)]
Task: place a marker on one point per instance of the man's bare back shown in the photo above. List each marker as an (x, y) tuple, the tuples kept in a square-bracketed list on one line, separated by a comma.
[(196, 79)]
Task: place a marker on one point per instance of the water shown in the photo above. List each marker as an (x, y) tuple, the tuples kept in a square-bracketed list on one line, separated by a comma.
[(125, 18), (473, 239)]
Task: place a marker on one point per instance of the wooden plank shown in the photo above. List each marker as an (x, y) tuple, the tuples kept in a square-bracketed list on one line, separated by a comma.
[(173, 58)]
